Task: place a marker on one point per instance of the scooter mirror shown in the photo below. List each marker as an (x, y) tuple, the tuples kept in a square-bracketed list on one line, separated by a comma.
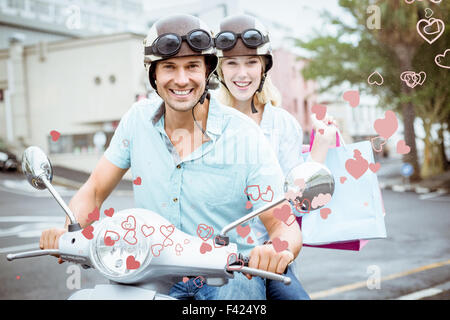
[(309, 186), (35, 166)]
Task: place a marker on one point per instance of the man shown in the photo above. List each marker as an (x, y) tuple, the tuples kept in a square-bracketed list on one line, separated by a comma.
[(194, 158)]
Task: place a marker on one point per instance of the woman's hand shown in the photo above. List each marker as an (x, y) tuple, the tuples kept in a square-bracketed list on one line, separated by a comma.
[(264, 257), (50, 239), (325, 130)]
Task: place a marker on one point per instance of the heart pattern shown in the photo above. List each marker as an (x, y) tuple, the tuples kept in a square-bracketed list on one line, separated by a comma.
[(374, 167), (386, 126), (147, 231), (319, 110), (94, 215), (204, 231), (402, 148), (324, 212), (88, 232), (440, 58), (375, 78), (430, 29), (55, 135), (279, 245), (156, 249), (137, 181), (205, 247), (243, 231), (233, 258), (109, 212), (129, 224), (357, 166), (130, 237), (412, 79)]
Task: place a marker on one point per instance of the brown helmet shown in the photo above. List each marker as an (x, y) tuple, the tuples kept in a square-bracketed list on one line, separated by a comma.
[(255, 44), (178, 35)]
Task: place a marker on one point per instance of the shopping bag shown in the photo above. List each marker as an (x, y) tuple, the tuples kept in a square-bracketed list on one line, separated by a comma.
[(357, 211)]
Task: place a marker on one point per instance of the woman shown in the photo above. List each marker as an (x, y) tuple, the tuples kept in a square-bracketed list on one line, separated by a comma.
[(245, 58)]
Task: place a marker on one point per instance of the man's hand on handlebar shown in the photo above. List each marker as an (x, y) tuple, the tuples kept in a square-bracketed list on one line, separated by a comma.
[(50, 239), (265, 257)]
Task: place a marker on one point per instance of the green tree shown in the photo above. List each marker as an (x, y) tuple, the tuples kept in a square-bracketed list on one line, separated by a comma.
[(356, 51)]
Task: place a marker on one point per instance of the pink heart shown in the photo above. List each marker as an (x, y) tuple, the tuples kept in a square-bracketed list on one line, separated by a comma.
[(204, 231), (375, 78), (132, 264), (55, 135), (253, 192), (423, 25), (439, 60), (324, 212), (130, 237), (234, 260), (250, 240), (375, 167), (374, 146), (108, 241), (268, 195), (412, 78), (111, 237), (243, 231), (137, 181), (279, 245), (167, 230), (402, 148), (109, 212), (319, 110), (352, 96), (88, 232), (220, 244), (342, 179), (248, 205), (156, 249), (282, 213), (94, 215), (358, 166), (205, 247), (386, 126), (147, 230), (129, 224)]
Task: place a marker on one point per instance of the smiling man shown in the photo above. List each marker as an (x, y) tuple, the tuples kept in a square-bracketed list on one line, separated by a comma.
[(195, 158)]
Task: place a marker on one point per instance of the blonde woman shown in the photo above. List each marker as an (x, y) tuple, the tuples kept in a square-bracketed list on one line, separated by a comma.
[(245, 58)]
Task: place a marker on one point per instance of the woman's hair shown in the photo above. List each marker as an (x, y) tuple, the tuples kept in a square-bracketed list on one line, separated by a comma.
[(268, 93)]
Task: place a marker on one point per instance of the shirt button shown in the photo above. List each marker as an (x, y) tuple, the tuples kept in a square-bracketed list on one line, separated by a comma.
[(178, 166), (175, 199)]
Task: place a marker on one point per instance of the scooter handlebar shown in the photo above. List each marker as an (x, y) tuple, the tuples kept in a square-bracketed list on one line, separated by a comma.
[(31, 254)]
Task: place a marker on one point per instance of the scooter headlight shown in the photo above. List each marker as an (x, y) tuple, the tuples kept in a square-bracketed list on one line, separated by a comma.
[(120, 250)]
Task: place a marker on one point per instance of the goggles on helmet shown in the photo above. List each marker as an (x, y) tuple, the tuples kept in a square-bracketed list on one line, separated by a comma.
[(168, 44), (252, 38)]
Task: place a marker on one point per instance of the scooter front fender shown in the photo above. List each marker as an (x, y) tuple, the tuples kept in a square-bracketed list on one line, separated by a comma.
[(118, 292)]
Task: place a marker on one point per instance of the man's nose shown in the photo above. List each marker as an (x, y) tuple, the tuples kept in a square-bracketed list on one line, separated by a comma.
[(181, 78)]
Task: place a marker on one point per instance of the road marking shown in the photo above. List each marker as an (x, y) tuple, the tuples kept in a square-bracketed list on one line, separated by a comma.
[(20, 248), (426, 292), (362, 284), (32, 219), (431, 195)]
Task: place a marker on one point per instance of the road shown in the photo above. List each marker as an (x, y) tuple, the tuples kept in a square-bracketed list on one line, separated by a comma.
[(412, 263)]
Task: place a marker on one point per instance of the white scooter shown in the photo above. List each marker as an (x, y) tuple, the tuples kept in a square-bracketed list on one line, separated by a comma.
[(144, 255)]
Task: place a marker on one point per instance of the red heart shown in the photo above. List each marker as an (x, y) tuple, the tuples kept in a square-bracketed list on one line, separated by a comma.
[(108, 241), (243, 231), (87, 232), (279, 245), (248, 205), (167, 230), (129, 224), (402, 148), (132, 264), (374, 167), (205, 247), (268, 195), (220, 244), (109, 212), (324, 212), (147, 230), (250, 240), (156, 249), (319, 110), (342, 179), (130, 237), (94, 215), (137, 181), (236, 259), (254, 189), (111, 237), (204, 231), (55, 135)]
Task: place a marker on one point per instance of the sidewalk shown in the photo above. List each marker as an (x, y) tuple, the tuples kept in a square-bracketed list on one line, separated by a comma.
[(389, 177)]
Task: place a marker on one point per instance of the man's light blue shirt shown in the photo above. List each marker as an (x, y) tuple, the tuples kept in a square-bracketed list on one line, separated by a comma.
[(207, 186)]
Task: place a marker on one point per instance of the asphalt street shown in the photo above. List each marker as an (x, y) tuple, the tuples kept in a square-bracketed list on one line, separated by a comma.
[(412, 263)]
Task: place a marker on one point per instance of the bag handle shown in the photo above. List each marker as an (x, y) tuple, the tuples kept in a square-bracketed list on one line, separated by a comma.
[(338, 139)]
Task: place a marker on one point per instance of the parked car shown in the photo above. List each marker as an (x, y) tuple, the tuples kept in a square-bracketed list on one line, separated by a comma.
[(8, 161)]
